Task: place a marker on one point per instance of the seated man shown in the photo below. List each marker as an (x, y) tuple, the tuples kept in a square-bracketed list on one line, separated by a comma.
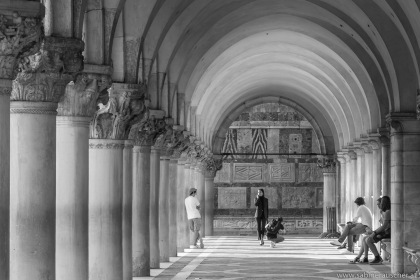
[(273, 229), (361, 222)]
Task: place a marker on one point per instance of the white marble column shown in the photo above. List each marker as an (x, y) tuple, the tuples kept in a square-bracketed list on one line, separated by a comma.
[(329, 192), (32, 188), (72, 197), (367, 195), (105, 209), (5, 88), (386, 165), (173, 208), (360, 179), (182, 223), (343, 198), (164, 212), (405, 180), (154, 208), (127, 211), (376, 180), (209, 196), (352, 183), (201, 188), (141, 203)]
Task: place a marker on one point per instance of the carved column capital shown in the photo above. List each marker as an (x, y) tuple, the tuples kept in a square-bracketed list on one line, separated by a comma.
[(211, 165), (395, 121), (327, 164), (164, 139), (21, 34), (44, 75), (352, 155), (418, 104), (120, 114), (81, 95), (148, 131)]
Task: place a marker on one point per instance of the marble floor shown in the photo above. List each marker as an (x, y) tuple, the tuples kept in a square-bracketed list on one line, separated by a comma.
[(241, 257)]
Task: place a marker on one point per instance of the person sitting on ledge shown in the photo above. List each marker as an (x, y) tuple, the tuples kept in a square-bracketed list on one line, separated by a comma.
[(361, 222), (273, 228)]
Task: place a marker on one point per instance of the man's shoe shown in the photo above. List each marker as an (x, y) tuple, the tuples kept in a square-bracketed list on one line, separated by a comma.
[(342, 246), (377, 260), (272, 244), (201, 245), (336, 243), (364, 261)]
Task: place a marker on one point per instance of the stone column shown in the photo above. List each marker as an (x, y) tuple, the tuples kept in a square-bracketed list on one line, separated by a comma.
[(173, 208), (33, 155), (141, 203), (329, 170), (164, 208), (348, 187), (105, 208), (127, 211), (360, 179), (209, 195), (11, 52), (202, 191), (154, 208), (343, 198), (405, 158), (368, 177), (352, 183), (376, 180), (110, 126), (182, 224), (72, 183), (386, 162)]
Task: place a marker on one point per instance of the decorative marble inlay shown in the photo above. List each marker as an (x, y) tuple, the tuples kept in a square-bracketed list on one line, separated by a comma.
[(273, 141), (235, 223), (244, 138), (251, 172), (309, 172), (295, 143), (283, 172), (270, 193), (308, 223), (259, 143), (298, 197), (224, 174), (231, 198), (319, 197)]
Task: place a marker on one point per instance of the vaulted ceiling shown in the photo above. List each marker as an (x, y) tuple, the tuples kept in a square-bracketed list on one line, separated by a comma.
[(345, 64)]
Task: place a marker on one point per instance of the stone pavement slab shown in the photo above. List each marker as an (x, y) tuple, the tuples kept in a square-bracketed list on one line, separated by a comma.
[(241, 257)]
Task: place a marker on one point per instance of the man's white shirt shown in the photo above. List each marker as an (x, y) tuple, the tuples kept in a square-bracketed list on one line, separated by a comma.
[(191, 203), (363, 216)]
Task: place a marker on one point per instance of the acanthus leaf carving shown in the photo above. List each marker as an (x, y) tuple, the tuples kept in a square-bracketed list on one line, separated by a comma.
[(148, 131)]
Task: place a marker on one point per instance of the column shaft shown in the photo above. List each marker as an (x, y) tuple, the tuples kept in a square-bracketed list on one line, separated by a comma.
[(105, 209), (154, 208), (164, 210), (376, 179), (202, 191), (386, 169), (368, 181), (72, 198), (182, 224), (32, 190), (329, 195), (361, 167), (343, 187), (4, 182), (173, 209), (141, 203), (349, 191), (209, 210), (127, 210)]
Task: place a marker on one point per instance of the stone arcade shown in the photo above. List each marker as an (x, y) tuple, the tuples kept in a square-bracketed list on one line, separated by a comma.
[(111, 109)]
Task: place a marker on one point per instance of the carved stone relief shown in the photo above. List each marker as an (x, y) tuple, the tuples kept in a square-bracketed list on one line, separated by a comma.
[(223, 175), (283, 172), (309, 172), (298, 197), (243, 172), (232, 198)]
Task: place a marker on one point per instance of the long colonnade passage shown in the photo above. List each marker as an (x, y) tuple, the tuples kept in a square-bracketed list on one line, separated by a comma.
[(111, 110)]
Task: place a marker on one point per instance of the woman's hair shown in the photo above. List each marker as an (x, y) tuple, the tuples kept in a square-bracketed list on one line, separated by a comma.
[(262, 190), (385, 203), (359, 201), (280, 219)]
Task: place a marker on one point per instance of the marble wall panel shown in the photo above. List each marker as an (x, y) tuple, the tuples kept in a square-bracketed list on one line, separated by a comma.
[(224, 174), (308, 223), (283, 172), (309, 172), (231, 198), (319, 197), (295, 143), (248, 172), (316, 148), (273, 141), (298, 197), (244, 140), (272, 194)]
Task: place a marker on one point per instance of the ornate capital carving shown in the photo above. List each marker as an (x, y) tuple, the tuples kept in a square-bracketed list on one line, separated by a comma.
[(374, 144), (20, 36), (327, 164), (122, 113), (395, 121), (178, 144), (164, 139), (211, 165), (45, 75), (352, 155), (418, 104), (105, 144), (37, 108), (80, 96), (148, 131)]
